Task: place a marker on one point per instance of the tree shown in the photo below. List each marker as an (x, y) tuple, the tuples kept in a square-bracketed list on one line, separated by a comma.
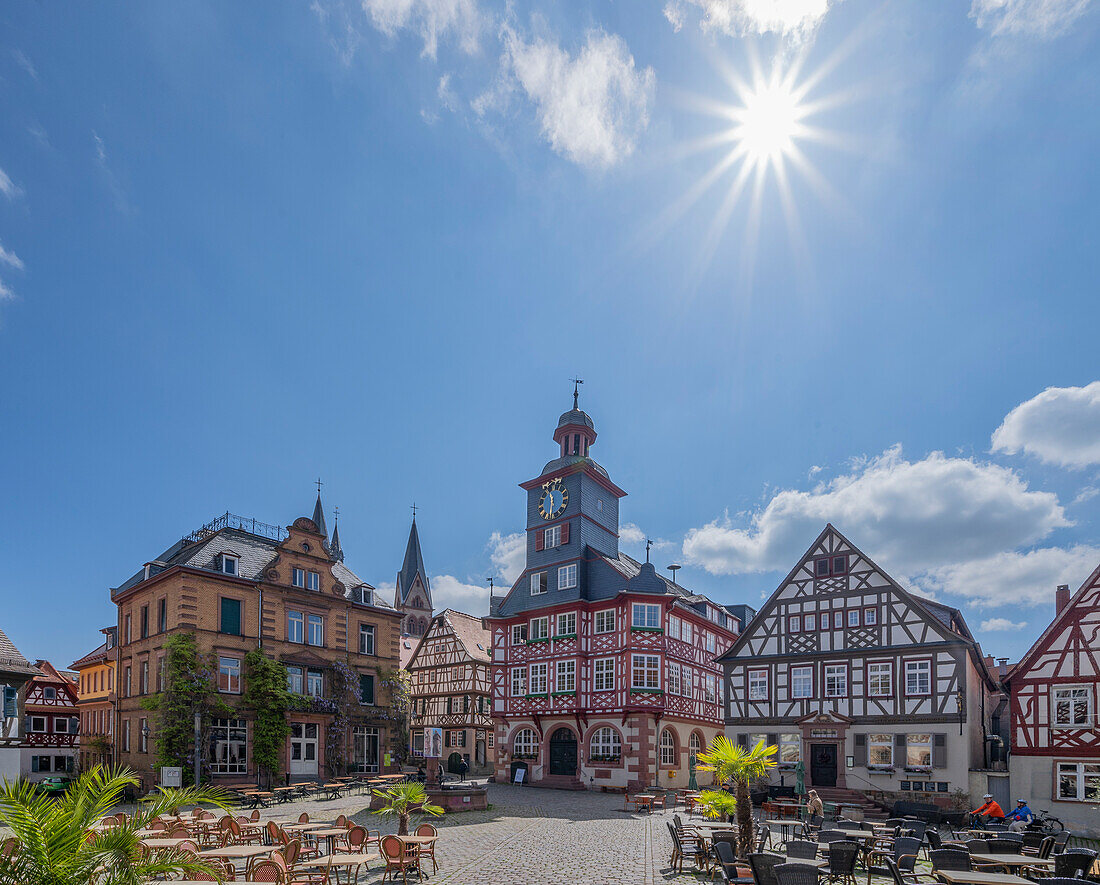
[(403, 800), (739, 766), (267, 696), (57, 845)]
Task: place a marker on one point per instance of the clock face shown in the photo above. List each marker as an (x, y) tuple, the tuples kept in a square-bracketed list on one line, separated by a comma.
[(555, 498)]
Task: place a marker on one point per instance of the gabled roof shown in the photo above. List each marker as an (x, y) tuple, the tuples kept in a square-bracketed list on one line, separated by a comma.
[(469, 630), (98, 656), (12, 660), (1056, 624), (412, 566)]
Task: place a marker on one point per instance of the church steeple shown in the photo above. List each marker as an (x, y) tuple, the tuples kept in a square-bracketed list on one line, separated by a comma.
[(575, 432), (334, 544), (413, 596), (319, 513)]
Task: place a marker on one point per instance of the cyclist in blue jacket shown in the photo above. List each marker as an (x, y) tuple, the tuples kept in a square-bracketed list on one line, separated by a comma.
[(1019, 817)]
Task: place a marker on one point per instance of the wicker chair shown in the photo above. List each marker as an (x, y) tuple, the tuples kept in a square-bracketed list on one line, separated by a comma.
[(9, 847), (267, 871), (999, 845), (796, 874), (763, 868), (291, 855), (842, 861), (397, 859), (950, 859), (978, 846), (1073, 863), (221, 871), (801, 849), (903, 853), (914, 878), (727, 864), (428, 848), (824, 837)]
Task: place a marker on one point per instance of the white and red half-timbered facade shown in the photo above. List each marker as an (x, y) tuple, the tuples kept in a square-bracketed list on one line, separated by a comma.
[(1054, 690), (52, 717), (870, 687), (603, 671), (450, 690)]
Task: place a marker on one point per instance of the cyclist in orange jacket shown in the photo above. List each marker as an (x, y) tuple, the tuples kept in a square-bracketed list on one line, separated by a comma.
[(989, 809)]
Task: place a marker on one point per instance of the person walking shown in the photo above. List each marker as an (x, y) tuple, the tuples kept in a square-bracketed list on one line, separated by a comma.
[(463, 767)]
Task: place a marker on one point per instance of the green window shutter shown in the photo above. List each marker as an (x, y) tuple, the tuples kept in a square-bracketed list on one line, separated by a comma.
[(939, 751), (231, 617), (366, 689), (860, 752)]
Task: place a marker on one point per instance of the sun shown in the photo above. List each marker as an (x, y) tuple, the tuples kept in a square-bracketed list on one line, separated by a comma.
[(767, 122)]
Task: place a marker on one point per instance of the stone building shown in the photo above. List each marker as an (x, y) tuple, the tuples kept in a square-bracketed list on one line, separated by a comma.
[(238, 584), (413, 595)]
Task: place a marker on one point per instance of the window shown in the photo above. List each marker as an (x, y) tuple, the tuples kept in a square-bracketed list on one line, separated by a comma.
[(366, 639), (366, 689), (794, 624), (802, 682), (603, 674), (870, 617), (294, 680), (540, 628), (809, 622), (790, 749), (710, 694), (918, 751), (880, 750), (1079, 781), (880, 679), (537, 681), (606, 745), (918, 677), (126, 629), (567, 576), (674, 684), (295, 627), (551, 537), (525, 744), (316, 629), (758, 685), (519, 633), (695, 744), (668, 748), (567, 624), (840, 565), (315, 683), (49, 693), (853, 617), (127, 681), (645, 672), (838, 620), (298, 577), (674, 626), (566, 676), (126, 736), (229, 746), (455, 739), (836, 565), (605, 621), (1072, 706), (836, 680), (231, 616), (162, 616), (229, 675), (230, 564), (38, 724), (712, 643), (646, 616), (519, 682), (145, 677), (821, 568), (538, 583), (314, 582), (686, 631), (143, 735), (144, 621)]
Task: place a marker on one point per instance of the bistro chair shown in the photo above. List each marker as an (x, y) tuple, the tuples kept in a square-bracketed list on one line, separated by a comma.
[(1046, 848), (291, 856), (1005, 844), (397, 859), (978, 846), (1060, 840), (914, 878), (842, 861), (824, 837), (957, 859), (727, 864), (267, 871), (903, 853), (1073, 863), (796, 874), (221, 871), (800, 849), (763, 868), (764, 838), (1032, 839), (9, 847), (428, 848)]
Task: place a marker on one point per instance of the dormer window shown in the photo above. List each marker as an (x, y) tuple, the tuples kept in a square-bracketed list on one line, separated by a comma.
[(368, 597), (230, 564)]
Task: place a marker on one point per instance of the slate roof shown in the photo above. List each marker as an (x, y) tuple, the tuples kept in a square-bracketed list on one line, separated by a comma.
[(576, 416), (470, 632), (93, 657), (255, 552), (413, 565), (568, 461), (12, 660)]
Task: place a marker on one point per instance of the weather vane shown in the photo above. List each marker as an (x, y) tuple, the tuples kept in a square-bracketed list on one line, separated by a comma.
[(413, 508), (577, 382), (319, 484), (648, 544)]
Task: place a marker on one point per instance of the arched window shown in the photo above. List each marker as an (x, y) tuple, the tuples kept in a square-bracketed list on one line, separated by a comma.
[(695, 744), (606, 745), (668, 748), (525, 744)]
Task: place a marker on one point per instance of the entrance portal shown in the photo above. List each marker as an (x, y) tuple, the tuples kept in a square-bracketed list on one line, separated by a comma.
[(823, 765), (563, 753)]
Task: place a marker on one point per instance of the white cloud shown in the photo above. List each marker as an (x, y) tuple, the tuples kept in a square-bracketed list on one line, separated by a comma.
[(1009, 578), (592, 107), (449, 592), (25, 63), (1001, 625), (431, 20), (1059, 426), (1034, 18), (338, 21), (508, 553), (631, 534), (6, 294), (7, 186), (796, 19), (10, 258), (910, 515)]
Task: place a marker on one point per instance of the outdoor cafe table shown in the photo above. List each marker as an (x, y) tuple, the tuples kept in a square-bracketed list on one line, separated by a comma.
[(162, 842), (284, 794), (334, 790), (236, 852), (329, 833), (784, 825), (301, 828), (787, 809), (332, 862), (1014, 861), (979, 877), (643, 801)]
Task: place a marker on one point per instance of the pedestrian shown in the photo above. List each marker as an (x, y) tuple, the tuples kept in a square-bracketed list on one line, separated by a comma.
[(463, 767)]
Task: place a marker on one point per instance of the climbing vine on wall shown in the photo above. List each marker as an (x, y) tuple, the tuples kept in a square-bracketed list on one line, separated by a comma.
[(397, 684), (267, 697)]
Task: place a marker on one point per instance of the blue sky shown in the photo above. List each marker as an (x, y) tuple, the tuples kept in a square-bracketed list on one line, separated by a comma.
[(248, 245)]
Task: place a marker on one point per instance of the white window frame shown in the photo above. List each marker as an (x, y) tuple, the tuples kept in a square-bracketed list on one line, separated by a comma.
[(295, 679), (606, 743), (566, 624), (645, 616), (915, 668), (672, 679), (853, 617), (755, 683), (1081, 773), (877, 672), (667, 748), (1069, 695), (295, 626), (601, 623), (519, 634), (836, 680), (710, 692), (315, 682), (870, 617), (231, 565), (297, 577), (603, 674), (567, 576), (786, 741), (313, 581), (525, 743), (880, 742), (538, 583), (519, 682), (838, 619), (645, 672), (800, 673), (565, 679), (809, 622), (911, 744), (231, 669), (539, 628), (367, 639), (537, 679), (551, 537), (318, 622)]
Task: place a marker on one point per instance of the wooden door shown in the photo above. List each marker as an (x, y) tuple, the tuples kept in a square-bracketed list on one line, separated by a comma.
[(563, 753), (823, 765)]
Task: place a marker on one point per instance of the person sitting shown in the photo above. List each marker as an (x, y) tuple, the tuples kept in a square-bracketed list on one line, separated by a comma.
[(989, 809), (814, 806), (1020, 816)]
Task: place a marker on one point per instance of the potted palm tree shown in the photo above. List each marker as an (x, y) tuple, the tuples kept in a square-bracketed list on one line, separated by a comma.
[(57, 842), (402, 800), (739, 766)]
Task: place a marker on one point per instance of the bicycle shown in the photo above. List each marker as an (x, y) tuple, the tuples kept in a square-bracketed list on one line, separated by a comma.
[(1045, 822)]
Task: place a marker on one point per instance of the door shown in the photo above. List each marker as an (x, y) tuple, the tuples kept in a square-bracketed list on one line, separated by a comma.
[(479, 752), (366, 749), (303, 749), (823, 765), (563, 753)]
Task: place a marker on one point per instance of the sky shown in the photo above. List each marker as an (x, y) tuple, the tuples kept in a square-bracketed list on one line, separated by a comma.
[(815, 260)]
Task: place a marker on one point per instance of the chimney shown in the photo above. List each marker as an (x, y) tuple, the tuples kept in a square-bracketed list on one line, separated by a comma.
[(1002, 666), (1061, 598), (989, 663)]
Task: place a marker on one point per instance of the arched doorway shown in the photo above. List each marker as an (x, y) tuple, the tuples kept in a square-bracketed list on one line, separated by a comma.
[(563, 753)]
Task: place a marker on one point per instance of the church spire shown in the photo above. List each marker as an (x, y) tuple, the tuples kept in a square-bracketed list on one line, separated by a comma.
[(319, 513), (334, 544), (411, 568)]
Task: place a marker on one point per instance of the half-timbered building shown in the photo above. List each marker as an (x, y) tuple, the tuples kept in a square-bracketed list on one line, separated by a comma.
[(450, 690), (1054, 691), (869, 686), (15, 672), (52, 723), (603, 670)]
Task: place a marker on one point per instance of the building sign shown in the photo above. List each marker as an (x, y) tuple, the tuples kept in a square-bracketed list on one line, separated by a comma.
[(171, 776), (823, 733)]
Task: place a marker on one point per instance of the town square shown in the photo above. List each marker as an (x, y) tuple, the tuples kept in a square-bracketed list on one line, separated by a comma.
[(564, 442)]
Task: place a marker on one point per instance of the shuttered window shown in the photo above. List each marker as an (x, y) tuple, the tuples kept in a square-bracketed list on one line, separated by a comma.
[(366, 688), (231, 617)]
